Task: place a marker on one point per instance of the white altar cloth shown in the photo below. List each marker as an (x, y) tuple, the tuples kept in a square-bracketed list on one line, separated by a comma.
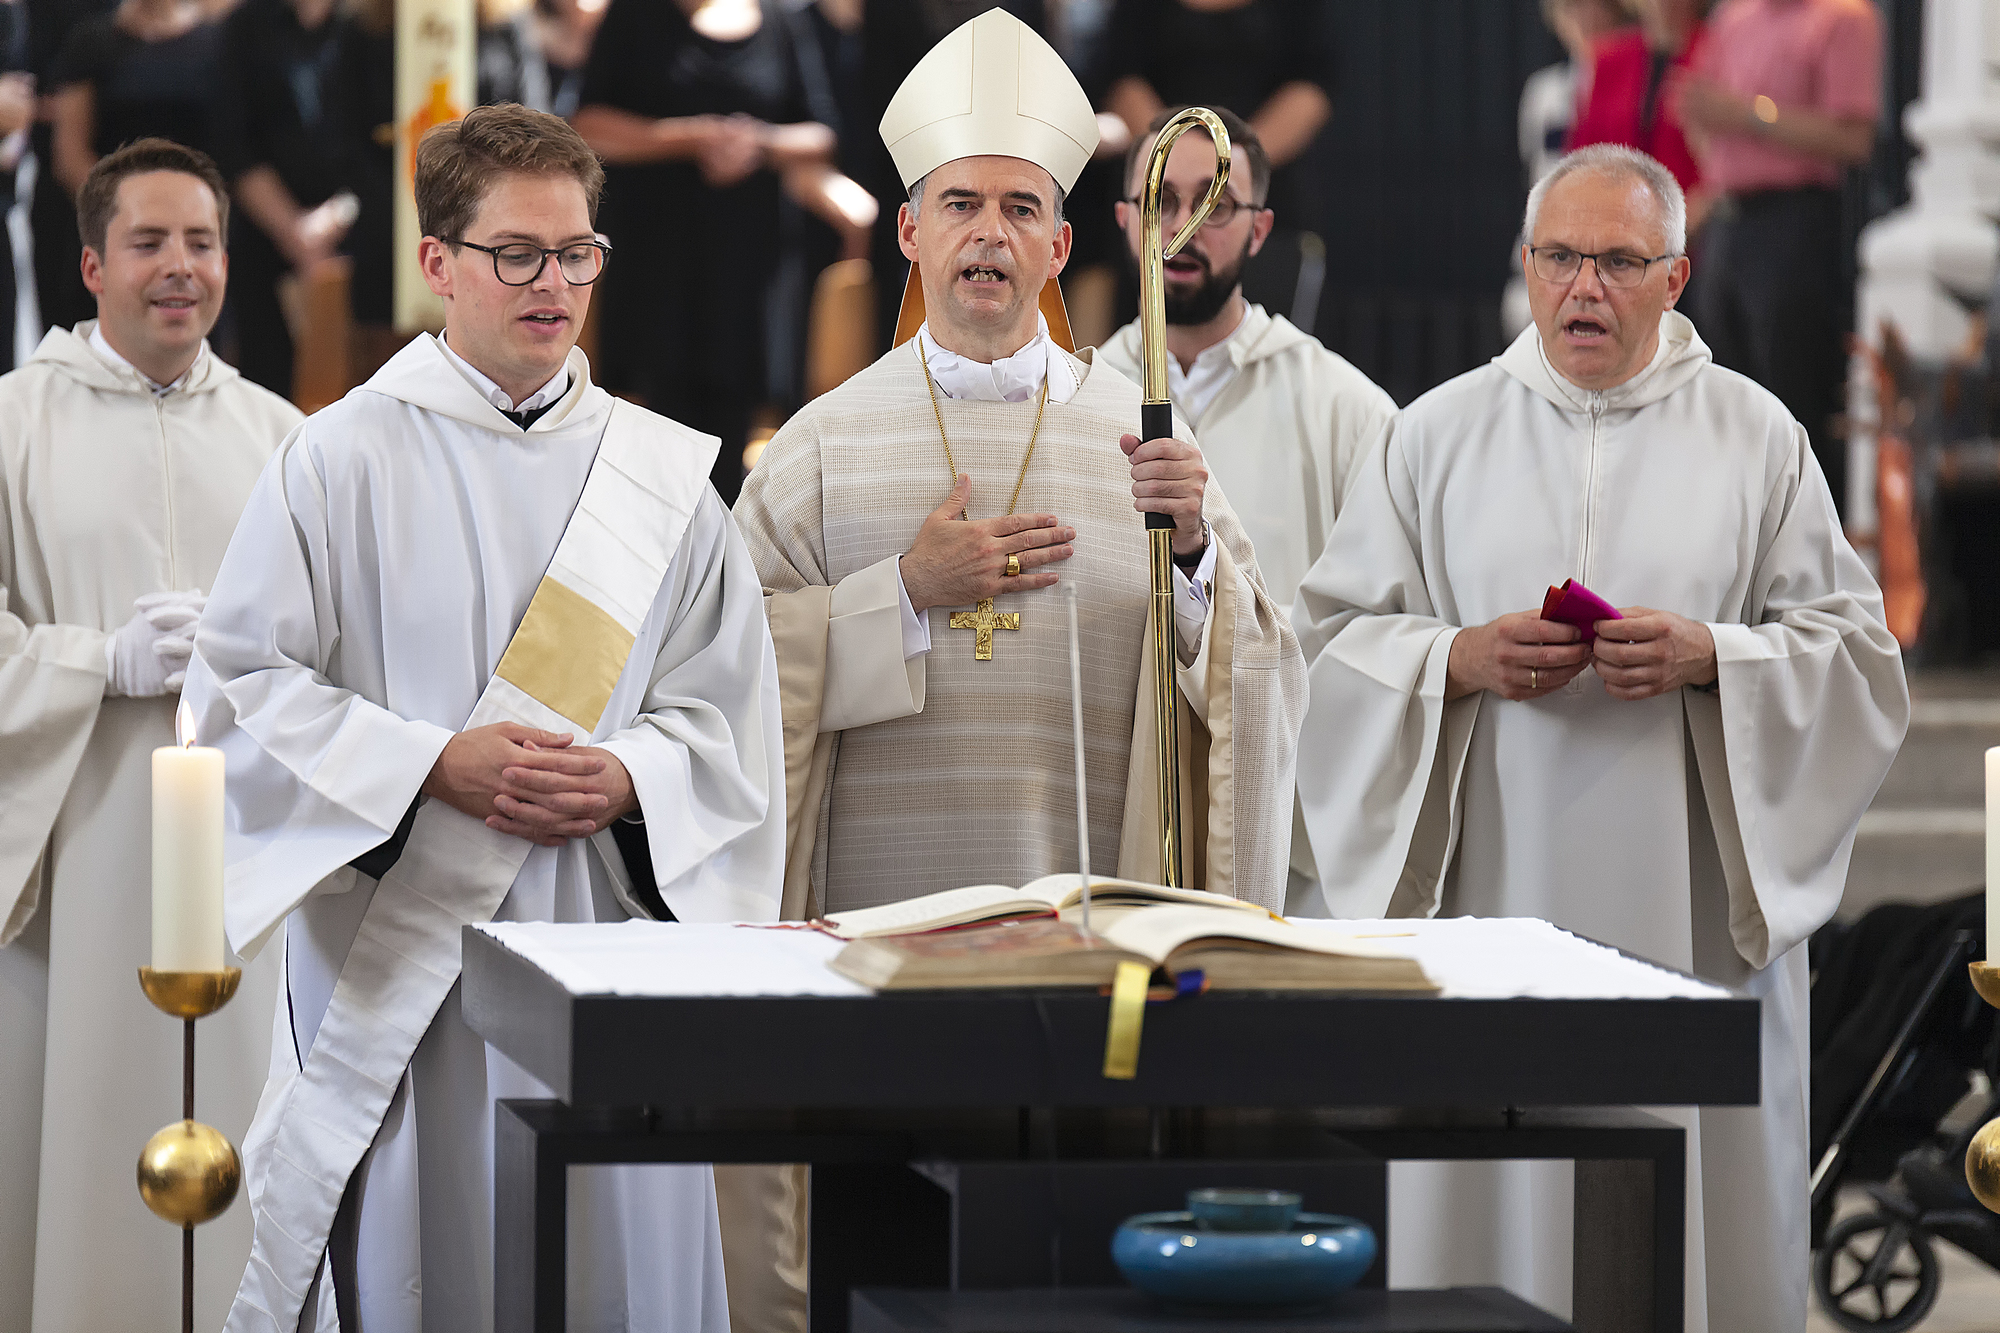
[(1469, 958)]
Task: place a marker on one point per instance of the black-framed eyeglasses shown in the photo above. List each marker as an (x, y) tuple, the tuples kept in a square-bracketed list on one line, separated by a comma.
[(517, 263), (1226, 209), (1559, 263)]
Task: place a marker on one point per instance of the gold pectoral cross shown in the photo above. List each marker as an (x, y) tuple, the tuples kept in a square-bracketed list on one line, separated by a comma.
[(985, 620)]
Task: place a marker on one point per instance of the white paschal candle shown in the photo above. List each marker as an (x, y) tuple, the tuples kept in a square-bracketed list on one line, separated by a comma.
[(1992, 852), (187, 859)]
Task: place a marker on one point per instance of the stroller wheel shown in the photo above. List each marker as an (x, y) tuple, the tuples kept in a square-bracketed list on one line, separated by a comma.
[(1876, 1274)]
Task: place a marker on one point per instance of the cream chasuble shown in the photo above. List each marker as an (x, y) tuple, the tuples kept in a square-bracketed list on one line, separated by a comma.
[(911, 776), (414, 564), (108, 491), (1707, 831)]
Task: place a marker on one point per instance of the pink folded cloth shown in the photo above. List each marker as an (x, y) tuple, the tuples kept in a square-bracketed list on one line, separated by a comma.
[(1574, 604)]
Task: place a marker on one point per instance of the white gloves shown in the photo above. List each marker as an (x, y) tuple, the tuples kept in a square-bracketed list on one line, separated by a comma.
[(148, 656)]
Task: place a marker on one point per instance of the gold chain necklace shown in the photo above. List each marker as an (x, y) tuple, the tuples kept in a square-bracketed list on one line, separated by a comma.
[(983, 619), (1041, 403)]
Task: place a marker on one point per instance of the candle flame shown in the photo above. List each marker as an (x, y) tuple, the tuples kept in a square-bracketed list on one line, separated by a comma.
[(184, 726)]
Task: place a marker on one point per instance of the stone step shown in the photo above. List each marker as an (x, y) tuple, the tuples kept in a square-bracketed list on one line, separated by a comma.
[(1942, 762), (1923, 840)]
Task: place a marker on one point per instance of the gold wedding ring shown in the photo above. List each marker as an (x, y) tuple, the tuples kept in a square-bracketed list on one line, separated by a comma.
[(1534, 679), (1013, 566)]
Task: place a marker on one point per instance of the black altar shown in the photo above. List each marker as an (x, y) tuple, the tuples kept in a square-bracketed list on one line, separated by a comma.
[(943, 1128)]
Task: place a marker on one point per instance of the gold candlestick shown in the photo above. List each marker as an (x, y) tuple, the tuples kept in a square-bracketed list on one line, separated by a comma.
[(189, 1172), (1982, 1158)]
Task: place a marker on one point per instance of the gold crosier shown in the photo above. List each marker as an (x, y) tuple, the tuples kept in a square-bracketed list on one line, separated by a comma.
[(1156, 418), (983, 619)]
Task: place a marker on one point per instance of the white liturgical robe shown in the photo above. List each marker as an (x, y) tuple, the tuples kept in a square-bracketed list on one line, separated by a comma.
[(1283, 422), (379, 575), (1707, 830), (109, 490)]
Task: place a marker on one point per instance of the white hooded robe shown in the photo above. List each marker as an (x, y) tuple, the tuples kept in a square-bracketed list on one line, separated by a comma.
[(108, 491), (1708, 831), (380, 571)]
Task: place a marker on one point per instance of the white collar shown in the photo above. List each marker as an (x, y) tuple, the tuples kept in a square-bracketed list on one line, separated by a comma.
[(106, 352), (1195, 388), (557, 386), (1011, 379)]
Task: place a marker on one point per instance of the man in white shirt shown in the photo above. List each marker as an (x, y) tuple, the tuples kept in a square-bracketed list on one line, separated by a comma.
[(127, 451), (1281, 419), (486, 645)]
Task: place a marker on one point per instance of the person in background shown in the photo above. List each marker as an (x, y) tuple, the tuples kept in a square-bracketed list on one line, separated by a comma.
[(1550, 95), (284, 150), (17, 113), (1548, 110), (704, 111), (564, 29), (1628, 97), (145, 68), (1276, 56), (1783, 100), (1273, 61), (509, 56), (60, 295)]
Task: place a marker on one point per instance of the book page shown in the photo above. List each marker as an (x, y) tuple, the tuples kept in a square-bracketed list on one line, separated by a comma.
[(1155, 934), (1066, 890), (951, 907)]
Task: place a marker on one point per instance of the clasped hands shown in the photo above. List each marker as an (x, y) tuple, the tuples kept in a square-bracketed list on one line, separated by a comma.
[(532, 784), (957, 563), (1521, 656)]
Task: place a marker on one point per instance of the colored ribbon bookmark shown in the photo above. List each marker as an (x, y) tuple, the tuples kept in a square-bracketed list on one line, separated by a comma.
[(1128, 1013)]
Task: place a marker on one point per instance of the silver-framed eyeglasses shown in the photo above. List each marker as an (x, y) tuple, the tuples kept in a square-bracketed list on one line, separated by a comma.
[(1615, 268), (1227, 209), (517, 263)]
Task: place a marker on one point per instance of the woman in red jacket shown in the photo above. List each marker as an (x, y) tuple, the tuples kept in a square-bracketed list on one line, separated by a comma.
[(1628, 99)]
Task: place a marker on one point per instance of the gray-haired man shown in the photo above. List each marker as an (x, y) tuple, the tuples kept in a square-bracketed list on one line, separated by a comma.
[(1687, 785)]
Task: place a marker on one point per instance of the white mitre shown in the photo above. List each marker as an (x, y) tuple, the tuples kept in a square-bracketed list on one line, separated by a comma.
[(992, 87)]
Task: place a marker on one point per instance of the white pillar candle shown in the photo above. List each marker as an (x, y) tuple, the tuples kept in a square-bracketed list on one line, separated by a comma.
[(1992, 852), (187, 859)]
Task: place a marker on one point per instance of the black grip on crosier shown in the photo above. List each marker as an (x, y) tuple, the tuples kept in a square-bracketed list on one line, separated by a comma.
[(1156, 422)]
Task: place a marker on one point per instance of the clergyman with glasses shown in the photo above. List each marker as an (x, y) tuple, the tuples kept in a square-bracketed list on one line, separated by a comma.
[(485, 645), (1281, 419), (1682, 782)]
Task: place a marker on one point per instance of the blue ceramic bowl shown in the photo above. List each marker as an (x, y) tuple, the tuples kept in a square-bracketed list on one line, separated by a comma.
[(1243, 1210), (1171, 1256)]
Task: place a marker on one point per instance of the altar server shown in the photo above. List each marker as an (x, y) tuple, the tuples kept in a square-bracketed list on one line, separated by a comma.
[(1686, 786), (486, 646), (126, 452), (1282, 420), (911, 527)]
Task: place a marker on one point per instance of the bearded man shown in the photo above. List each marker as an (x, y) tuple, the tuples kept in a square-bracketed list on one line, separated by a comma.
[(1682, 781), (1282, 420)]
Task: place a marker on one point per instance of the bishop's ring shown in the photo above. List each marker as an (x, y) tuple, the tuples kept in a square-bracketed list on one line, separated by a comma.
[(1013, 566)]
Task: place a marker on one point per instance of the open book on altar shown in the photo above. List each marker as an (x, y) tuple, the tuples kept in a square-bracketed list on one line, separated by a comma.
[(1233, 950), (1057, 895)]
